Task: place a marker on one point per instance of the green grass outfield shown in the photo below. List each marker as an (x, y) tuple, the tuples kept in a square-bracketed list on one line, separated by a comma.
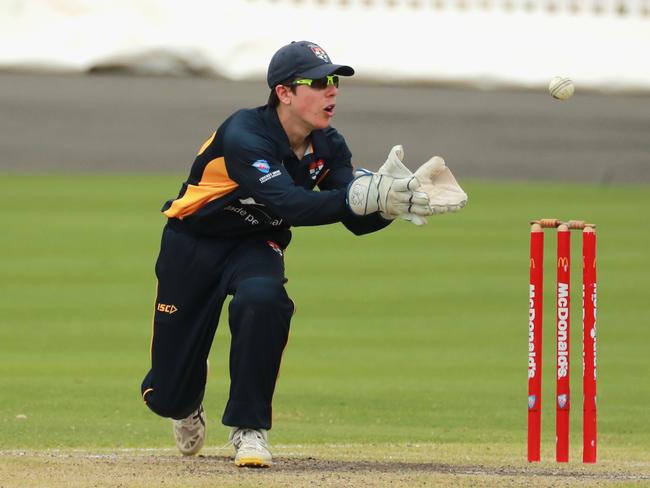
[(410, 335)]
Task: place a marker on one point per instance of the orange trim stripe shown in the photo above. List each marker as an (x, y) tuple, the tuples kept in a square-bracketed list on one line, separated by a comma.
[(153, 330), (153, 322), (322, 177), (147, 391), (207, 143), (214, 184)]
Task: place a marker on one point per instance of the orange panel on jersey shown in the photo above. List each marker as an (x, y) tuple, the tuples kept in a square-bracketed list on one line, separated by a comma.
[(214, 184)]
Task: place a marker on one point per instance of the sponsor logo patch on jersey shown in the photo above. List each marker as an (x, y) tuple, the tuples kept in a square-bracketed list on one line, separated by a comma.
[(319, 52), (273, 174), (315, 168), (262, 165)]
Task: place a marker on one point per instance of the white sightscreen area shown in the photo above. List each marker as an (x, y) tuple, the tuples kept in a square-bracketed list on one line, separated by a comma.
[(602, 45)]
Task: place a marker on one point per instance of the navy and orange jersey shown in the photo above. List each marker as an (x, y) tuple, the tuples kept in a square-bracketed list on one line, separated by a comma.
[(246, 179)]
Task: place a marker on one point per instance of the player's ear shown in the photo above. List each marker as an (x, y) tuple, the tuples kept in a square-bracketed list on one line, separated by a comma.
[(283, 93)]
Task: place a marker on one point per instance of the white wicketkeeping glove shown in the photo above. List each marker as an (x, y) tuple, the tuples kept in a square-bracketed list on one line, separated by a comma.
[(395, 167), (445, 194), (373, 192)]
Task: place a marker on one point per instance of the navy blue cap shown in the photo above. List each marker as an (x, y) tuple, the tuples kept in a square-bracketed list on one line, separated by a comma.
[(302, 59)]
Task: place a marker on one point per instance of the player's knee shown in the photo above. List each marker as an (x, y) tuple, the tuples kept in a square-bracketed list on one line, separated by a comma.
[(171, 399), (266, 295), (168, 407)]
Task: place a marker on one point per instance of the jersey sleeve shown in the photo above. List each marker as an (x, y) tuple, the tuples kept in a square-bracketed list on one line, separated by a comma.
[(339, 177), (252, 163)]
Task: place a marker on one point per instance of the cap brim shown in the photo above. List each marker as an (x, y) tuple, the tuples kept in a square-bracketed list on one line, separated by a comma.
[(327, 69)]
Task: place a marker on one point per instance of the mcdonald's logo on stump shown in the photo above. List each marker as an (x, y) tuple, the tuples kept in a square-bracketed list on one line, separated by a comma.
[(536, 296)]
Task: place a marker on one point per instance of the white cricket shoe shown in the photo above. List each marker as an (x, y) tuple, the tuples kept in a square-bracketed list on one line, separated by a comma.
[(251, 447), (190, 432)]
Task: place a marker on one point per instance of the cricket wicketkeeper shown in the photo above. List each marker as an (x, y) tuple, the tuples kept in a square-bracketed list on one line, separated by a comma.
[(251, 181)]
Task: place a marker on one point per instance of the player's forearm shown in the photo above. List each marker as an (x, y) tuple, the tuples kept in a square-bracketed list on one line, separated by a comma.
[(300, 207), (365, 225)]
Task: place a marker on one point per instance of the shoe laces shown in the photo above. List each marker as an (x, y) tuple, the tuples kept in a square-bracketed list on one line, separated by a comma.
[(251, 438), (194, 421)]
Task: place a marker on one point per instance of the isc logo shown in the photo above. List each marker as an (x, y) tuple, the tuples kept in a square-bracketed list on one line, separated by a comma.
[(170, 309)]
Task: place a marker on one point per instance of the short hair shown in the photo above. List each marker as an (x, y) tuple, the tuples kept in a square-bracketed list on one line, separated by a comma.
[(274, 101)]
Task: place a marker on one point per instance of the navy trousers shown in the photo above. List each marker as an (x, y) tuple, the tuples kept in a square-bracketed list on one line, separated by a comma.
[(195, 275)]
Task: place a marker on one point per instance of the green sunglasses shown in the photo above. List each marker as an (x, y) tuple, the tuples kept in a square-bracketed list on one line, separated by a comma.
[(318, 84)]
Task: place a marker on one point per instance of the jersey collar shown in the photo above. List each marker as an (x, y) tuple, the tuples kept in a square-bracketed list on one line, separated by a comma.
[(317, 137)]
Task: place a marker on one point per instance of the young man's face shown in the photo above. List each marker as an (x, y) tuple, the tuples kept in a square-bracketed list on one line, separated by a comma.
[(315, 106)]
